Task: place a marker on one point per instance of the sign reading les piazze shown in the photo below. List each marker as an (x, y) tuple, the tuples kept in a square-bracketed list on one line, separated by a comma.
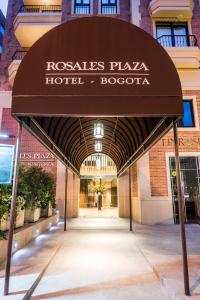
[(97, 62)]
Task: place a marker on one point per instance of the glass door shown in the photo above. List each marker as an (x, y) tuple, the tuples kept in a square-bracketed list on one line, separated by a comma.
[(190, 178)]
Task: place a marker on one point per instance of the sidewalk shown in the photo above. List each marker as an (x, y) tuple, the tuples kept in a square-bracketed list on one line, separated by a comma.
[(100, 259)]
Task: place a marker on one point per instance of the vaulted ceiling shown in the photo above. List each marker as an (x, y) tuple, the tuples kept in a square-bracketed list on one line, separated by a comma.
[(73, 137)]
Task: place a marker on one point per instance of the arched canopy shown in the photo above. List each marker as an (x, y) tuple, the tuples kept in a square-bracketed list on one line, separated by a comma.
[(97, 67)]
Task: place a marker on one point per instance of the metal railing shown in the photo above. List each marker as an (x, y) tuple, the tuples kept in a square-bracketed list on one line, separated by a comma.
[(82, 9), (178, 40), (40, 8), (19, 54), (108, 9)]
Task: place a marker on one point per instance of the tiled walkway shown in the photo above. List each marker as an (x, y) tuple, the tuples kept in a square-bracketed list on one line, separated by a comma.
[(100, 259)]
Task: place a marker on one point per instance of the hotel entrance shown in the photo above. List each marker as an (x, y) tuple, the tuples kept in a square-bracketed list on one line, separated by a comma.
[(98, 187)]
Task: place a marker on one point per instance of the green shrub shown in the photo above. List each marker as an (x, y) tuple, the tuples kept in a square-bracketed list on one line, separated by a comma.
[(37, 187)]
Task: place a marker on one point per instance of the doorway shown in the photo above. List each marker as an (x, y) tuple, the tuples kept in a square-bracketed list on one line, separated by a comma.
[(190, 177), (98, 187)]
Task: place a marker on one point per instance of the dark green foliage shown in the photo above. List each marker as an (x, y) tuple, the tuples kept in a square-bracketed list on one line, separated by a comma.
[(37, 187)]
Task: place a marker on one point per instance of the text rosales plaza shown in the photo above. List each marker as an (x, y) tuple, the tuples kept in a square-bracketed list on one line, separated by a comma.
[(78, 73)]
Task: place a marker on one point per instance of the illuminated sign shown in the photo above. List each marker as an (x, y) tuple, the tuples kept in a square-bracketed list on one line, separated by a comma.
[(6, 163)]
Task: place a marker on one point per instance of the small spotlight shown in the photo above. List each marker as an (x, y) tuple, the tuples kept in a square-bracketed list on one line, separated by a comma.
[(6, 136), (15, 245), (37, 231)]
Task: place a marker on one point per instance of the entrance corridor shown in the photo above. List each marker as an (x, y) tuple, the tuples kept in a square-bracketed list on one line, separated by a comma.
[(98, 258)]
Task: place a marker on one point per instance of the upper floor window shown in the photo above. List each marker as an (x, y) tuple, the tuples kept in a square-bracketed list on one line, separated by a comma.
[(2, 29), (82, 7), (109, 7), (170, 34), (188, 118)]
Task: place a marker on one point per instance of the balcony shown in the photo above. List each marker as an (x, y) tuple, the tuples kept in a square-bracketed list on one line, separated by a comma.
[(108, 9), (179, 9), (16, 60), (33, 21), (82, 9), (183, 49)]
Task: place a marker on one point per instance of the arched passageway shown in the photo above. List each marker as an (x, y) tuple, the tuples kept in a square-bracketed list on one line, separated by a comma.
[(98, 186)]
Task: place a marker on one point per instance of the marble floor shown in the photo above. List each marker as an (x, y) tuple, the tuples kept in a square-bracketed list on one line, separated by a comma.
[(100, 259)]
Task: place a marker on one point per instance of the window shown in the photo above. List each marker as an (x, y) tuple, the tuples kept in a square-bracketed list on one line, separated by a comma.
[(171, 34), (2, 29), (1, 49), (82, 7), (188, 118), (108, 7)]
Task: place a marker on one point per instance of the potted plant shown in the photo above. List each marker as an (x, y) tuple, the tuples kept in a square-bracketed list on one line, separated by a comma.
[(20, 211), (4, 207), (30, 187), (99, 188), (48, 192)]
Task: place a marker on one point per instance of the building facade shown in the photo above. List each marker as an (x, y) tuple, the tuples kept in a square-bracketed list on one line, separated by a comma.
[(176, 26)]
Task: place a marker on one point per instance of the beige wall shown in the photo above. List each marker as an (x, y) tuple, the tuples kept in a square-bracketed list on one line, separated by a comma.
[(123, 195), (72, 191)]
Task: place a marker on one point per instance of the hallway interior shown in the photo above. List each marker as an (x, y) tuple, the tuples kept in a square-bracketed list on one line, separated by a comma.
[(98, 258)]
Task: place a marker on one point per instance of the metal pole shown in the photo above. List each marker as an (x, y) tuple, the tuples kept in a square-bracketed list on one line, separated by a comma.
[(66, 188), (181, 204), (130, 201), (13, 209)]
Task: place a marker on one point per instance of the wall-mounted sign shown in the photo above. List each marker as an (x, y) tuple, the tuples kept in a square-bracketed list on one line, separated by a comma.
[(183, 141), (40, 159), (6, 163)]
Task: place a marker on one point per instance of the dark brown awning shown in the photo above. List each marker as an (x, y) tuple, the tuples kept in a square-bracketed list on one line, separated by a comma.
[(97, 67)]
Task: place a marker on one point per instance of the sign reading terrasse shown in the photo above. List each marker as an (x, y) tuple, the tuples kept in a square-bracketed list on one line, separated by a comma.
[(97, 66), (93, 72)]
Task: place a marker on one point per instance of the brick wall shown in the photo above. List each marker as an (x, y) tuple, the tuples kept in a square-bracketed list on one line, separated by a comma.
[(146, 21), (10, 43), (124, 10), (189, 141), (32, 152)]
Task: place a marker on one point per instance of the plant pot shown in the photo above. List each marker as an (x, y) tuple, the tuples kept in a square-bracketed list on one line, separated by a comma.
[(32, 215), (19, 221), (47, 212), (4, 223)]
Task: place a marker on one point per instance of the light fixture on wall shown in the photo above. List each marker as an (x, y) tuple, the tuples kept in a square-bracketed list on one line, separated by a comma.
[(98, 130), (6, 135), (98, 146)]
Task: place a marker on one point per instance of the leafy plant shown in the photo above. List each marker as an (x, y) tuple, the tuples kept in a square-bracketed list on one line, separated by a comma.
[(37, 187), (5, 193), (5, 201)]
